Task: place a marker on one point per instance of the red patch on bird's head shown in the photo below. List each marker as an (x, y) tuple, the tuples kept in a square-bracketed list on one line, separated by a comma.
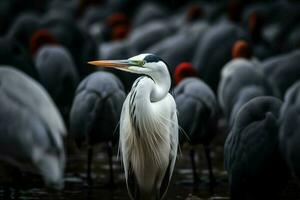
[(39, 39), (195, 12), (118, 26), (120, 32), (184, 70), (241, 49), (116, 20)]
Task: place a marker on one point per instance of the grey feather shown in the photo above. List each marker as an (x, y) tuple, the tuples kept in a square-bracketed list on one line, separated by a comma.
[(197, 107), (96, 108), (289, 131), (31, 127)]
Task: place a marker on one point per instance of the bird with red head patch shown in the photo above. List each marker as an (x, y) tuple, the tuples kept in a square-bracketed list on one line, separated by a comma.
[(241, 49), (184, 70), (117, 27), (40, 38), (197, 114), (241, 80)]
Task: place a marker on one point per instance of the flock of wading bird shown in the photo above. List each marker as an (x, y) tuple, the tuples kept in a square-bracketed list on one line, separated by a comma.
[(222, 61)]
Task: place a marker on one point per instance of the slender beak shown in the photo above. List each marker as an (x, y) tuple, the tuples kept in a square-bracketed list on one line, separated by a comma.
[(119, 64)]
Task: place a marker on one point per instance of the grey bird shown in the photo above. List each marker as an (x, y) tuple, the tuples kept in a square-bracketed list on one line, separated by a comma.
[(282, 71), (255, 167), (180, 46), (148, 34), (68, 33), (95, 114), (58, 74), (241, 80), (12, 53), (147, 13), (214, 51), (198, 112), (23, 28), (289, 136), (31, 128)]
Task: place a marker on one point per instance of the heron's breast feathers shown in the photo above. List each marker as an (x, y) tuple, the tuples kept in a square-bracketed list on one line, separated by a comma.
[(145, 134)]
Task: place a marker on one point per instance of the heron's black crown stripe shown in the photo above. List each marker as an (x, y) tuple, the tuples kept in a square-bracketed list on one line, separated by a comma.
[(152, 58)]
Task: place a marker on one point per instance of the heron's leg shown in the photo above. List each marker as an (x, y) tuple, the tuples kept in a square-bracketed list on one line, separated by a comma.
[(194, 168), (111, 170), (212, 180), (89, 165)]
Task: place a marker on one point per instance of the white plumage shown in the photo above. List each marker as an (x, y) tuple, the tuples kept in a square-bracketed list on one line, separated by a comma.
[(148, 127), (150, 145)]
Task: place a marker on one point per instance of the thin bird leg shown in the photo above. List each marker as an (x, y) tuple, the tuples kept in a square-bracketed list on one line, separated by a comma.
[(212, 180), (195, 174), (111, 170), (89, 166)]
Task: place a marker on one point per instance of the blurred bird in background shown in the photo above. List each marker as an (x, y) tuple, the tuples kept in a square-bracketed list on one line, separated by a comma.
[(32, 128), (58, 74), (198, 113), (252, 156), (95, 114), (241, 80), (288, 136)]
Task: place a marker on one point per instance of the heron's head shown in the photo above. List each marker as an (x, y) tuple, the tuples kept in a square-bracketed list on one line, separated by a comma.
[(148, 64)]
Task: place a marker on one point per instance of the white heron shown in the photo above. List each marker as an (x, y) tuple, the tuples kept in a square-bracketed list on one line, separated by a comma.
[(148, 127)]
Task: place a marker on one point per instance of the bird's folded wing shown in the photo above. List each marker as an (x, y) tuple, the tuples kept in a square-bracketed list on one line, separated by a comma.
[(173, 153)]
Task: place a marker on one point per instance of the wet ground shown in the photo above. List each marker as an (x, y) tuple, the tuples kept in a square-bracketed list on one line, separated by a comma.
[(28, 187)]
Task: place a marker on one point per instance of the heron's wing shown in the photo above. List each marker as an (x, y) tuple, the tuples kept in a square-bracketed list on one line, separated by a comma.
[(125, 130), (174, 147)]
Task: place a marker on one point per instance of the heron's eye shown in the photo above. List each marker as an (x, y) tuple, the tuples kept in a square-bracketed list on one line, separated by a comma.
[(141, 63)]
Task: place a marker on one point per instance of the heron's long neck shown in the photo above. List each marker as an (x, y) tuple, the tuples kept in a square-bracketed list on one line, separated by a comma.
[(161, 86), (145, 91)]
